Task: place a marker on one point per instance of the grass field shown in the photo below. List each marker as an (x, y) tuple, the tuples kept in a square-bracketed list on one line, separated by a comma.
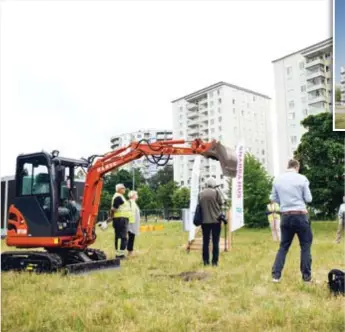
[(339, 121), (140, 296)]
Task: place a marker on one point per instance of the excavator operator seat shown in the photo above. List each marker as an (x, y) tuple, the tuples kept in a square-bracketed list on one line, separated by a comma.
[(41, 184)]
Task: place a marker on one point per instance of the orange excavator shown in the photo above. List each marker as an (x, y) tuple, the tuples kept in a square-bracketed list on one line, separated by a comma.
[(44, 213)]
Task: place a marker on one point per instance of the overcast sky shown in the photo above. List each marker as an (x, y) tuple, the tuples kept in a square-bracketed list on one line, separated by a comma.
[(75, 73)]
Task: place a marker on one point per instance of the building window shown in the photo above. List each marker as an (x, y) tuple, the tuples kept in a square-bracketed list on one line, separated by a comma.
[(253, 98), (212, 122), (301, 65), (219, 110), (242, 112), (212, 130), (219, 100), (210, 95), (218, 92), (303, 88), (182, 183), (234, 111), (211, 103), (263, 152), (220, 128), (263, 160), (181, 108), (291, 116), (212, 112), (233, 101), (293, 139), (289, 70), (220, 119), (305, 112), (291, 104), (303, 100), (180, 116)]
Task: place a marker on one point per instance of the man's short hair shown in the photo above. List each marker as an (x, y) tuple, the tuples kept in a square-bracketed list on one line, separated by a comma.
[(293, 163), (120, 186)]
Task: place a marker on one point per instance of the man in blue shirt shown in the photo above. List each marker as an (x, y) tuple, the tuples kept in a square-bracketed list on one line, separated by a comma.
[(291, 191)]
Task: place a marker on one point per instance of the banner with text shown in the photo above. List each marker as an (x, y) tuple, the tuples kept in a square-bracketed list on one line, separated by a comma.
[(237, 218), (194, 192)]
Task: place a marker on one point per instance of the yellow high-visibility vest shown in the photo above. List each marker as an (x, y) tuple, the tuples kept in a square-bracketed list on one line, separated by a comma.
[(273, 208), (124, 210)]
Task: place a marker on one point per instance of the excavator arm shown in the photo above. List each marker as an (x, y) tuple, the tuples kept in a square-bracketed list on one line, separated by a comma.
[(104, 164)]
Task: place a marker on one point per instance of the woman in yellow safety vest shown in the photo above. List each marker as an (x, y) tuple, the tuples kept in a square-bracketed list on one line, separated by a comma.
[(134, 221), (273, 213)]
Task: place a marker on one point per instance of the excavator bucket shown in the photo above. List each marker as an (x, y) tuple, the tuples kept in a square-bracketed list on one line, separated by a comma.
[(226, 157), (87, 267)]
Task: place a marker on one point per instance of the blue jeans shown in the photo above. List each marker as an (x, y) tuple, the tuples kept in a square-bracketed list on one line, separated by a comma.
[(291, 225)]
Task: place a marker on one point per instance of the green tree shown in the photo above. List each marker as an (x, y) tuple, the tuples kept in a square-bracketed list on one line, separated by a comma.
[(321, 155), (105, 200), (164, 195), (257, 186), (146, 197), (181, 197), (163, 176), (337, 94)]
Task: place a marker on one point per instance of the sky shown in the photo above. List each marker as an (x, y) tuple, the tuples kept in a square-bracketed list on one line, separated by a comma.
[(73, 74), (339, 32)]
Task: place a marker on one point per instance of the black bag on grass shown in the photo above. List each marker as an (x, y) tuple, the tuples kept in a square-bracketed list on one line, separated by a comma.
[(336, 282)]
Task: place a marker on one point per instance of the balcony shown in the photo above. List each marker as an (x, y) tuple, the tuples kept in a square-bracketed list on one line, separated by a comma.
[(193, 131), (314, 62), (316, 110), (203, 101), (192, 114), (312, 99), (193, 123), (315, 73), (316, 86)]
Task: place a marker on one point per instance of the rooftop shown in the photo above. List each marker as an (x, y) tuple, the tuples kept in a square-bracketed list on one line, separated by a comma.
[(313, 47), (142, 131), (217, 85)]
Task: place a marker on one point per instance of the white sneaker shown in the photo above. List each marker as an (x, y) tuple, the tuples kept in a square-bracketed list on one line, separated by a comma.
[(275, 280)]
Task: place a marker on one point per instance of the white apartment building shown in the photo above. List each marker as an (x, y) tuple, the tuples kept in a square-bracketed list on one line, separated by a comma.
[(148, 169), (303, 86), (342, 84), (227, 113)]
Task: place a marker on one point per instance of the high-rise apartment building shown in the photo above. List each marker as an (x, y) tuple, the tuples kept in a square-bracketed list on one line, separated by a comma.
[(342, 84), (148, 169), (227, 113), (303, 86)]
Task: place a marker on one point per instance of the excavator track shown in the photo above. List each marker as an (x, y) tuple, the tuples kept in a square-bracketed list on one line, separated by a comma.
[(31, 261), (65, 261)]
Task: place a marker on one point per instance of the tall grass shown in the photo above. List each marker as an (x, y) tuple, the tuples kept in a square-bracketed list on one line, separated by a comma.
[(143, 295)]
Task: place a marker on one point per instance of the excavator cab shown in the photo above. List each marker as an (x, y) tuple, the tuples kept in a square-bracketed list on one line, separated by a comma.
[(45, 197)]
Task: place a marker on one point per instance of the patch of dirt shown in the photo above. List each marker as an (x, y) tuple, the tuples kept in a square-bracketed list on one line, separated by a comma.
[(187, 276)]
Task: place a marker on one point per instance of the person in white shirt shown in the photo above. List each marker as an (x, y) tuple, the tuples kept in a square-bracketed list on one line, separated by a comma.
[(341, 216), (134, 221)]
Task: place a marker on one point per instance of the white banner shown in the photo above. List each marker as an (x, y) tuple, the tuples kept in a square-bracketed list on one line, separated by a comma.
[(194, 192), (237, 218)]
